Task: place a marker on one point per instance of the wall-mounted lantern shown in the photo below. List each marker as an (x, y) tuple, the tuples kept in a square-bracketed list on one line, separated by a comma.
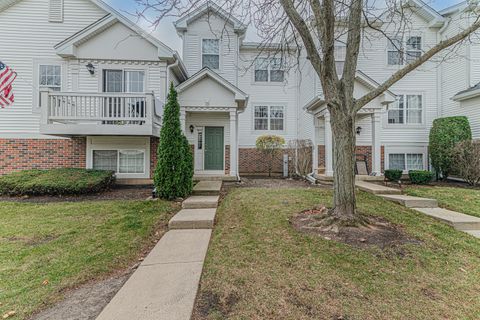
[(359, 130), (90, 68), (191, 128)]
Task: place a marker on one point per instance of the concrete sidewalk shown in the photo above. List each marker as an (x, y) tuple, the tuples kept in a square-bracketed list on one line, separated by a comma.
[(165, 285)]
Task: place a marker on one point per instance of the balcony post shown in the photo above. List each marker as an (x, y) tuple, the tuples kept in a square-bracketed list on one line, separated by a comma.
[(150, 104), (45, 105)]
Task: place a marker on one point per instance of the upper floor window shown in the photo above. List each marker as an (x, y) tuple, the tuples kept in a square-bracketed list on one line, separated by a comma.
[(50, 77), (269, 118), (407, 110), (404, 51), (123, 81), (211, 53), (269, 70)]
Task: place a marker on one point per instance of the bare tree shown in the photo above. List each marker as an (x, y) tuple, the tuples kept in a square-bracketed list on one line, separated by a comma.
[(314, 27)]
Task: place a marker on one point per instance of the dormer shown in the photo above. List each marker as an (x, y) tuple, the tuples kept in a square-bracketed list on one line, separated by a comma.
[(211, 38)]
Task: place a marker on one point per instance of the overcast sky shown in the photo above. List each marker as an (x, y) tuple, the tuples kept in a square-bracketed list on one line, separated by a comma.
[(167, 34)]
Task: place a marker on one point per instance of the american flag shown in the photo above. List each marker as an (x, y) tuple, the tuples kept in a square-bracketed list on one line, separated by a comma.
[(7, 76)]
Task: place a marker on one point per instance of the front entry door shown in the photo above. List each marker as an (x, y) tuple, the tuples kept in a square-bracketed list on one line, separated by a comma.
[(213, 148)]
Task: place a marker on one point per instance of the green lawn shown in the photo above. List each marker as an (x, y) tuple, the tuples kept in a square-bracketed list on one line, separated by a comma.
[(69, 244), (259, 267), (458, 199)]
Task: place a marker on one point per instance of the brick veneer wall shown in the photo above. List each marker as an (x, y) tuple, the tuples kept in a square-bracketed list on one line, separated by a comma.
[(227, 159), (359, 151), (22, 154), (153, 154), (253, 161)]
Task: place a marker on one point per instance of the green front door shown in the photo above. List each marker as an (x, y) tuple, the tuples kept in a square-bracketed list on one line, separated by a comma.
[(213, 148)]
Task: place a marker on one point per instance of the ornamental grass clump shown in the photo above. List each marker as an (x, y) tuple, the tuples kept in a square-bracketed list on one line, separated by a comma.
[(173, 176)]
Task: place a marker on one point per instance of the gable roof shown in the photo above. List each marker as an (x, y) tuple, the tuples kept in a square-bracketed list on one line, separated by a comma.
[(65, 47), (208, 73), (182, 23), (386, 97), (469, 93)]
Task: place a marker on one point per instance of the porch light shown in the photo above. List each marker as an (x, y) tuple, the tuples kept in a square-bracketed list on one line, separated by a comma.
[(90, 68), (191, 128), (359, 130)]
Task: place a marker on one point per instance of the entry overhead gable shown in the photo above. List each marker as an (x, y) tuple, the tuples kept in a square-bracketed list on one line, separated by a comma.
[(208, 89)]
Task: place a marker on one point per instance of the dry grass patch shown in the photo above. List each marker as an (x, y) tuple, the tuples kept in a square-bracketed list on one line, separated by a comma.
[(259, 267)]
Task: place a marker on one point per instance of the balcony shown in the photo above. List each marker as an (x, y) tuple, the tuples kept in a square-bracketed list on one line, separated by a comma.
[(74, 113)]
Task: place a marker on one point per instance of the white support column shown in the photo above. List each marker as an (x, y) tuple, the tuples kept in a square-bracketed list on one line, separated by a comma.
[(328, 146), (233, 143), (315, 146), (376, 142), (183, 119)]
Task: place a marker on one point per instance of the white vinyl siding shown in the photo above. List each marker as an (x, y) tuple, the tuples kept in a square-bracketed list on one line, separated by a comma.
[(55, 11)]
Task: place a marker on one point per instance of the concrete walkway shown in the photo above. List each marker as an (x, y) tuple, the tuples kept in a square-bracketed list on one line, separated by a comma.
[(165, 284), (459, 221)]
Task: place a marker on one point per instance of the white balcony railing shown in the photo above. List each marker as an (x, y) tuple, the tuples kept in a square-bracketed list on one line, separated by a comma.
[(98, 113)]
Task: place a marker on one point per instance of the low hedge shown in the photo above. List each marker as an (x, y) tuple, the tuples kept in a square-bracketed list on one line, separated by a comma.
[(64, 181), (420, 176), (393, 175)]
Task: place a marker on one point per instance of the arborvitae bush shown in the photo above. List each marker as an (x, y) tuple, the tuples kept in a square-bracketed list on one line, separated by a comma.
[(444, 135), (174, 171)]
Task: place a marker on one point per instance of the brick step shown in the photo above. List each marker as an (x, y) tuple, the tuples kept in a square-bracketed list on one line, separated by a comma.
[(200, 202), (207, 188), (193, 219), (458, 220), (410, 202)]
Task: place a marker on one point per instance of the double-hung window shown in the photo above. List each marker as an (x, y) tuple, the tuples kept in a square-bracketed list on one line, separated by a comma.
[(407, 110), (269, 118), (49, 77), (405, 50), (211, 53), (120, 161), (269, 70), (405, 161)]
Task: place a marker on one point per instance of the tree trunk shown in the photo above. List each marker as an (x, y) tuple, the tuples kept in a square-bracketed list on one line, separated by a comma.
[(343, 135)]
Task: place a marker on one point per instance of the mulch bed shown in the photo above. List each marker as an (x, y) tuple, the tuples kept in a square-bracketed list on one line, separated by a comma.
[(115, 193), (377, 233)]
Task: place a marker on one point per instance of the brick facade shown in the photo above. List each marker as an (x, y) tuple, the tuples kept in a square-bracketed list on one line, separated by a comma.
[(227, 159), (22, 154), (153, 154), (252, 161)]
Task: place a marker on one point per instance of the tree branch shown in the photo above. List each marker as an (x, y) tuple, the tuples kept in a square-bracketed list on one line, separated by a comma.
[(359, 103)]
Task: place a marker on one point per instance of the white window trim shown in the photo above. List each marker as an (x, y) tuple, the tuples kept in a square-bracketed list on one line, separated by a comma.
[(407, 125), (220, 60), (102, 67), (268, 82), (403, 48), (119, 146), (270, 105), (36, 83), (406, 150)]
